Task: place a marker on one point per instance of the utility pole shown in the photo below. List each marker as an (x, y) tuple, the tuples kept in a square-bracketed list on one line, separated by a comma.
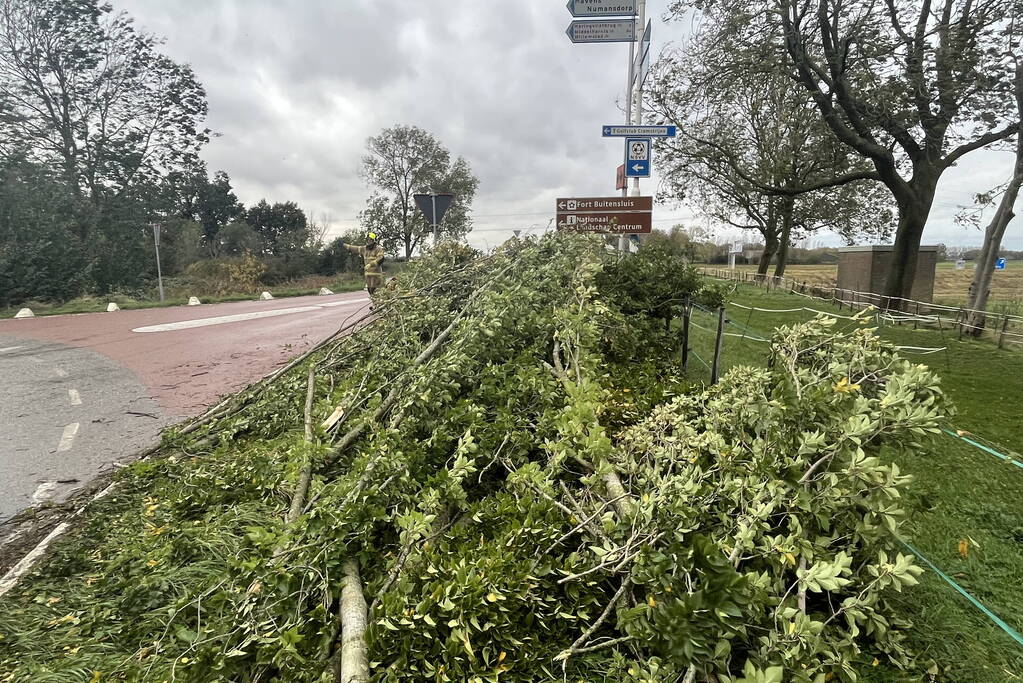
[(159, 272)]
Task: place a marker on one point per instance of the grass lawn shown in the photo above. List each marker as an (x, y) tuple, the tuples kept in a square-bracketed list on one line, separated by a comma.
[(950, 285), (959, 493)]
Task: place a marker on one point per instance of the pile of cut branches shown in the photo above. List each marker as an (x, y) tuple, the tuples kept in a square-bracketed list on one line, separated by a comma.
[(503, 475)]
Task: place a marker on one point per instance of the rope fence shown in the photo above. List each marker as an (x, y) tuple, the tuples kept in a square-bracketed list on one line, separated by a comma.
[(1007, 328)]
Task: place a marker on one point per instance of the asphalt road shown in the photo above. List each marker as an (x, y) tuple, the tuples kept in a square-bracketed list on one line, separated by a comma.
[(80, 393)]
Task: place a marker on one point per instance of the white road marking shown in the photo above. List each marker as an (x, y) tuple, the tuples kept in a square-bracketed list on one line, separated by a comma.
[(44, 491), (74, 397), (67, 439), (61, 372), (345, 303), (7, 349), (224, 319)]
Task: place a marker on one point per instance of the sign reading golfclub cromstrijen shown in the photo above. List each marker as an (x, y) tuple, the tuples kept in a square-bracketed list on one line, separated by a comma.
[(601, 8), (613, 131)]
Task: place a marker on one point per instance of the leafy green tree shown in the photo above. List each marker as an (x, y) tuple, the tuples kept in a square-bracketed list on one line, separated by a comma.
[(911, 86), (239, 238), (91, 94), (211, 203), (752, 153), (41, 256), (404, 161), (281, 226)]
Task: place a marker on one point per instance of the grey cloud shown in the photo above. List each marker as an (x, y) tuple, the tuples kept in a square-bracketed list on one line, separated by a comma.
[(295, 88)]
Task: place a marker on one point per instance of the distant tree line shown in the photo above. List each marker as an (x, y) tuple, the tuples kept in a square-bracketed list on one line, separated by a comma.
[(100, 137)]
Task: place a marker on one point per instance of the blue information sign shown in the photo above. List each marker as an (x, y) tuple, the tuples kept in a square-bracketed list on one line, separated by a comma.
[(1000, 264), (637, 157)]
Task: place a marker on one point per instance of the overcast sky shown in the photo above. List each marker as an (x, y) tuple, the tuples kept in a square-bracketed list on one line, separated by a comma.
[(296, 87)]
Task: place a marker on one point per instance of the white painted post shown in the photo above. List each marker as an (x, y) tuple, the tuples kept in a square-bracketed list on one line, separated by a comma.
[(159, 273)]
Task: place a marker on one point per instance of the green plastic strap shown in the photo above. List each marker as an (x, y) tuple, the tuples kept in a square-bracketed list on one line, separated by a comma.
[(699, 359), (984, 448), (962, 591)]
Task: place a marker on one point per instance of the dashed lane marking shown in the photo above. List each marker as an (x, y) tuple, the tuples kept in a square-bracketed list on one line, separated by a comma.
[(74, 397), (239, 317), (67, 439), (8, 349)]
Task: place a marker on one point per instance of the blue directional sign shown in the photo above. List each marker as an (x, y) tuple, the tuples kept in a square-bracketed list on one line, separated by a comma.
[(592, 9), (612, 130), (637, 157), (1000, 264)]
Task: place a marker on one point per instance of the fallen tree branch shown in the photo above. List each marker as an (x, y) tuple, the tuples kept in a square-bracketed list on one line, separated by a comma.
[(576, 647), (306, 475), (354, 659)]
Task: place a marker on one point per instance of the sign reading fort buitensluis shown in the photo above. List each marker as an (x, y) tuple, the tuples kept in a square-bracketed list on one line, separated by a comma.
[(604, 204), (609, 215)]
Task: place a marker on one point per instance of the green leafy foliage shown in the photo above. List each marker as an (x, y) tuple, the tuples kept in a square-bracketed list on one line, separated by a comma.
[(526, 501)]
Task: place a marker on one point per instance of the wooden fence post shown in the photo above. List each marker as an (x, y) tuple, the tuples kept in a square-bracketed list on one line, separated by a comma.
[(715, 367), (1001, 333)]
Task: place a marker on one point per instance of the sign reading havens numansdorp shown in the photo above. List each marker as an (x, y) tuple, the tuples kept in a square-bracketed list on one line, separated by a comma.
[(601, 8), (604, 204), (613, 131), (616, 31), (612, 222)]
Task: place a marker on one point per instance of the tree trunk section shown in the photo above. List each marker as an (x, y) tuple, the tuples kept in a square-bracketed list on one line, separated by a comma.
[(980, 288), (354, 659), (770, 247), (787, 208), (912, 221)]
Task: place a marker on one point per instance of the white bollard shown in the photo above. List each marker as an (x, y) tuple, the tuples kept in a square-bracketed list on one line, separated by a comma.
[(266, 296), (325, 292), (111, 307), (25, 313), (194, 301)]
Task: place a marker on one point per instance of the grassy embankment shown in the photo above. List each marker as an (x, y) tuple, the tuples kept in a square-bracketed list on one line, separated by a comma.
[(965, 507), (950, 285), (344, 282)]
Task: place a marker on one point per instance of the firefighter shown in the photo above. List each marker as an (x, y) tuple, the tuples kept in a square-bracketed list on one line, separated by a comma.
[(373, 257)]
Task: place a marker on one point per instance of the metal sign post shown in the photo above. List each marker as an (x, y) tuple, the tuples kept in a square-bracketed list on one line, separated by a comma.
[(434, 206), (159, 272)]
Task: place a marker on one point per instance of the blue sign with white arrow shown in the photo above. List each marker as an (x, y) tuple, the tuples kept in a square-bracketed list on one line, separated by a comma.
[(637, 157), (1000, 264), (613, 130)]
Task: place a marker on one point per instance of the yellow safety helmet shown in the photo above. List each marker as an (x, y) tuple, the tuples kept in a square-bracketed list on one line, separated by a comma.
[(372, 235)]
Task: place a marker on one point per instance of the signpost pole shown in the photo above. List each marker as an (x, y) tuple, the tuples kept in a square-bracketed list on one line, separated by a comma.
[(623, 240), (159, 272), (436, 230), (636, 110)]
